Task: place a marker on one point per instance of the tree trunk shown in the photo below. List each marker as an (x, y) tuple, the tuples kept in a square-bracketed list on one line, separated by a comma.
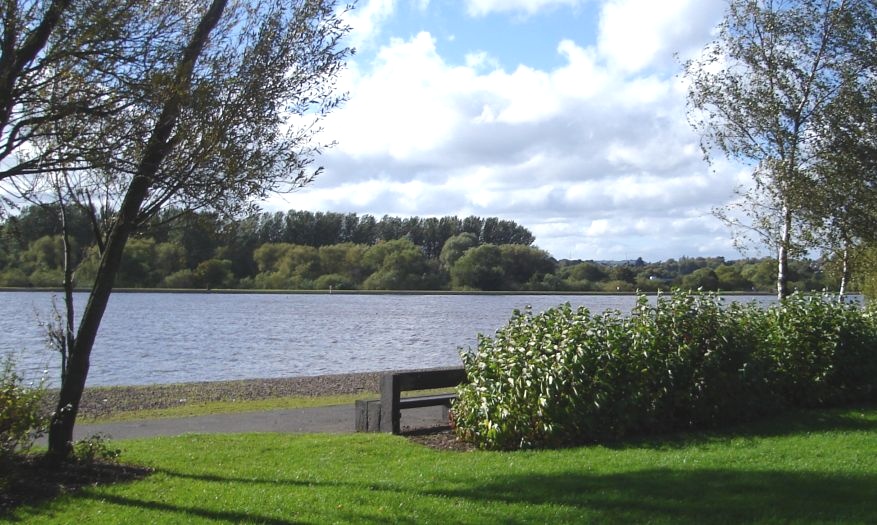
[(158, 147), (845, 273), (67, 343), (78, 361), (783, 254)]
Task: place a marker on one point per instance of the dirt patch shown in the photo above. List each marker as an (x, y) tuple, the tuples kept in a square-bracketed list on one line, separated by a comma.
[(439, 438)]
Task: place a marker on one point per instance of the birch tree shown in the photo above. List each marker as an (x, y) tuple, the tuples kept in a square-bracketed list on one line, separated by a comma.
[(757, 94)]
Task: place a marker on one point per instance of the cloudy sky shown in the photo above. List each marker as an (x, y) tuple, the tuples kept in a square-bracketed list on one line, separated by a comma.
[(566, 116)]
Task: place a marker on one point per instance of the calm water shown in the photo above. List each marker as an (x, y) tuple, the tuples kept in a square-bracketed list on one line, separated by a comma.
[(148, 338)]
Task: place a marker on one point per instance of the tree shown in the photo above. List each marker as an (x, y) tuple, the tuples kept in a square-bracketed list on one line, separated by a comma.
[(480, 268), (731, 278), (398, 265), (220, 105), (587, 271), (757, 93), (455, 247), (522, 263), (702, 279), (842, 206), (343, 259)]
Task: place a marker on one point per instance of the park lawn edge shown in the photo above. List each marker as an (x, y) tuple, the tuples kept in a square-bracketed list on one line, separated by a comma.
[(803, 466)]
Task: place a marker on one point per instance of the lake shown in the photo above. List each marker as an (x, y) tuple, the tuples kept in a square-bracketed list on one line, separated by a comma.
[(150, 338)]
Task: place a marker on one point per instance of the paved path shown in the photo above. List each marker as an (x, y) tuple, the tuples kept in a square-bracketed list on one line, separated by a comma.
[(331, 419)]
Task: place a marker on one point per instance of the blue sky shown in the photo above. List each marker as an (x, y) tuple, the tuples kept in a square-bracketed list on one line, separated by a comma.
[(566, 116)]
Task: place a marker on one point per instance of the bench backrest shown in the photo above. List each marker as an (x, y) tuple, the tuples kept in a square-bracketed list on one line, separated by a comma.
[(426, 379), (393, 383)]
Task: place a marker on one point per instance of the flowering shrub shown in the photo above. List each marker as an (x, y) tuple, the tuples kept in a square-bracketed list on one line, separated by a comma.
[(567, 376)]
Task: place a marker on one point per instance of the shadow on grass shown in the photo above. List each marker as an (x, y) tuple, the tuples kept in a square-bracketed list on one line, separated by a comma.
[(184, 512), (30, 480), (684, 495), (662, 495), (850, 419), (689, 496), (699, 496)]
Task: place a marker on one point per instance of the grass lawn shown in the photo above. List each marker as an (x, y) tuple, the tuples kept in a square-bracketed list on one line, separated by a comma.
[(811, 467)]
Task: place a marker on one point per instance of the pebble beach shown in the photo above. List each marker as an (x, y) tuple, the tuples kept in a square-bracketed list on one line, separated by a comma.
[(106, 401)]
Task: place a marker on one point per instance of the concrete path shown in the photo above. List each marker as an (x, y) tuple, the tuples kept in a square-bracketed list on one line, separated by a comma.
[(331, 419)]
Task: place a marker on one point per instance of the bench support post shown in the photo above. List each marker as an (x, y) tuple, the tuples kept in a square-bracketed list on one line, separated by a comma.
[(391, 415), (368, 415)]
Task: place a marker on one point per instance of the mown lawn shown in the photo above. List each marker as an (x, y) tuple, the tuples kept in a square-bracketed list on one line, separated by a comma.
[(811, 467)]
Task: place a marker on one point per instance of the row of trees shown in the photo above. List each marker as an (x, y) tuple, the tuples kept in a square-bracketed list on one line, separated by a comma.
[(205, 251), (208, 250), (204, 232)]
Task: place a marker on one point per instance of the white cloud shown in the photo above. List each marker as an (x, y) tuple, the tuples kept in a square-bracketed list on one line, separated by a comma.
[(399, 109), (366, 20), (637, 34), (528, 7)]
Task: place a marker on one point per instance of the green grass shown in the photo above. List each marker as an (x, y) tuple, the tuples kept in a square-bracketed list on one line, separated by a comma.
[(812, 467), (226, 407)]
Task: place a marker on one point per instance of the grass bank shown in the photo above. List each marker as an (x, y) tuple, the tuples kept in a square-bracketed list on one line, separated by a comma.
[(809, 467)]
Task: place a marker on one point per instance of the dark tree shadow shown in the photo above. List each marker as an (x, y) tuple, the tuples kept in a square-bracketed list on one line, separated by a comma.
[(30, 480), (700, 496), (779, 425)]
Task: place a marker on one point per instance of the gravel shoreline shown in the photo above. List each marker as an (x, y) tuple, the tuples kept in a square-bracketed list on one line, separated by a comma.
[(107, 401)]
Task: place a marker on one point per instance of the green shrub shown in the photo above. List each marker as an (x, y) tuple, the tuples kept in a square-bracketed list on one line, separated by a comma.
[(22, 419), (94, 449), (565, 376), (334, 281)]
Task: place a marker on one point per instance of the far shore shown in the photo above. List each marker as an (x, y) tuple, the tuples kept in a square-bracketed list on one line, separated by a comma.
[(358, 292)]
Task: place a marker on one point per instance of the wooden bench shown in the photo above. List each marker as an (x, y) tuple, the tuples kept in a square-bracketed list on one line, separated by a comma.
[(384, 414)]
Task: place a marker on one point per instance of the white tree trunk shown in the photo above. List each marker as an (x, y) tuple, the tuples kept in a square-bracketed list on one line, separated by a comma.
[(783, 254)]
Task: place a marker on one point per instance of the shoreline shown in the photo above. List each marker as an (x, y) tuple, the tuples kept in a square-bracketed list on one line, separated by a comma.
[(238, 291), (105, 401)]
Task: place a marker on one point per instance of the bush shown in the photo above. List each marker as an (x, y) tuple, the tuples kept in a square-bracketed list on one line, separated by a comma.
[(334, 281), (22, 419), (567, 377), (95, 449)]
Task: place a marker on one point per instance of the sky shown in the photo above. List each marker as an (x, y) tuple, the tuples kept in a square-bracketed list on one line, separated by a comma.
[(565, 116)]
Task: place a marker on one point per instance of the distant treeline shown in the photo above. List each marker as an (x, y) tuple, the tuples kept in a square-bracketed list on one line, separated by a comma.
[(306, 250)]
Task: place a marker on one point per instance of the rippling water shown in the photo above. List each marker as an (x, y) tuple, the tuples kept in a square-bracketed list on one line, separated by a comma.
[(148, 338)]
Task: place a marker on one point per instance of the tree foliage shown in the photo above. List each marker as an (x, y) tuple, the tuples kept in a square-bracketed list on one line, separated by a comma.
[(168, 253), (766, 91)]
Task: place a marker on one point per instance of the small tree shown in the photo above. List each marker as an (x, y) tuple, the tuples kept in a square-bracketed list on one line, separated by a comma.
[(842, 208)]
